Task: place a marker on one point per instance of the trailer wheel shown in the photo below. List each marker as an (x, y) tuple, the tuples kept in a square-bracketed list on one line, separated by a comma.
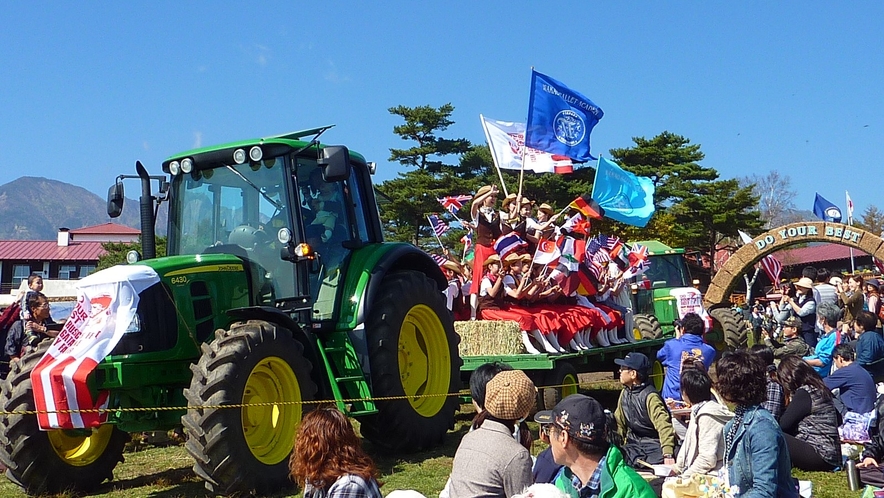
[(564, 382), (731, 327), (242, 450), (647, 327), (413, 353), (56, 461)]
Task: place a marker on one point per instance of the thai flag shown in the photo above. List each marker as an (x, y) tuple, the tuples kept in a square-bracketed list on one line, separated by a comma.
[(508, 243), (439, 226), (453, 203)]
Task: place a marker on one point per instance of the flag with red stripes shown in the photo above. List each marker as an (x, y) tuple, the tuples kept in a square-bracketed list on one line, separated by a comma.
[(439, 226), (454, 203), (772, 267), (508, 243), (106, 305)]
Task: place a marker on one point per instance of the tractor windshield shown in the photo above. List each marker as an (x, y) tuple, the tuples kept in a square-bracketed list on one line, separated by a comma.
[(234, 208), (668, 270)]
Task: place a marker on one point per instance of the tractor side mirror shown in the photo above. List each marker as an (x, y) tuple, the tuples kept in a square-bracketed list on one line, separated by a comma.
[(115, 197), (335, 163)]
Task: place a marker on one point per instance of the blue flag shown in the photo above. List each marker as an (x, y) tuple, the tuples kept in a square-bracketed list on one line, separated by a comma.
[(625, 197), (559, 119), (825, 210)]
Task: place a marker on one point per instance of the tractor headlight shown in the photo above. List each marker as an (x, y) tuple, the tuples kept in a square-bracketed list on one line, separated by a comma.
[(255, 153), (186, 165), (239, 156), (174, 168)]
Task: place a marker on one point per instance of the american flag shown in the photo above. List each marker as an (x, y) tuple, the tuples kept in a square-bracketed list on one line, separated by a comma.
[(612, 244), (440, 260), (439, 226), (453, 203), (772, 267)]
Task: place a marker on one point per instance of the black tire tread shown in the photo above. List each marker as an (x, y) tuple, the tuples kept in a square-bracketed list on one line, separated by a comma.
[(734, 329)]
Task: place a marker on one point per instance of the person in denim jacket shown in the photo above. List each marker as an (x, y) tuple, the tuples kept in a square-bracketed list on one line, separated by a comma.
[(756, 456)]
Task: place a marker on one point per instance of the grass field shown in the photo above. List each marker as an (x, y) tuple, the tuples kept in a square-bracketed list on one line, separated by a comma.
[(165, 472)]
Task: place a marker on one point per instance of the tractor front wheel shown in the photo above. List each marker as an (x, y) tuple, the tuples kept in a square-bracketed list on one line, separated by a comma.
[(246, 449), (55, 461), (414, 362)]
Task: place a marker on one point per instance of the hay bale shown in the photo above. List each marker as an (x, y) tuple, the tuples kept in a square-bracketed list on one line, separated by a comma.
[(489, 337)]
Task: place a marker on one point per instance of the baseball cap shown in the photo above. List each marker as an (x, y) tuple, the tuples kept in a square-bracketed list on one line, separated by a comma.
[(579, 415), (793, 321), (635, 361), (510, 395)]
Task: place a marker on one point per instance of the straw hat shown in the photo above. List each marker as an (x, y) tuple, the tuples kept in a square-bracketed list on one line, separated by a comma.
[(484, 190), (546, 208), (512, 258), (507, 201), (527, 258), (494, 258), (804, 283), (453, 266), (510, 395), (526, 200)]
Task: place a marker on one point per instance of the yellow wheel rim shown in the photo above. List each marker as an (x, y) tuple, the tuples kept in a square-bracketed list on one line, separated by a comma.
[(637, 333), (269, 429), (569, 386), (424, 361), (657, 375), (78, 449)]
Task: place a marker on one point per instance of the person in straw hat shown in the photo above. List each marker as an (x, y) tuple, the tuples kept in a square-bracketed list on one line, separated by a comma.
[(517, 288), (544, 224), (451, 269), (489, 461), (493, 307), (803, 306), (486, 221)]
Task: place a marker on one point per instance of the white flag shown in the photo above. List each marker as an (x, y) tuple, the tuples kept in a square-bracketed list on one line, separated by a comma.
[(849, 207), (507, 142)]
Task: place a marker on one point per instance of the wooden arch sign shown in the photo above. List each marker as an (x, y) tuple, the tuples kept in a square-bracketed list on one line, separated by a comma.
[(732, 271)]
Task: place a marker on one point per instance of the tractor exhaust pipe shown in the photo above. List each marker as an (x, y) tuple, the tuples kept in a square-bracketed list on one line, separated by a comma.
[(148, 231)]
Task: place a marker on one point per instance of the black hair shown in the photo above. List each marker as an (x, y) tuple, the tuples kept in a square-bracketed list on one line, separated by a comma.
[(793, 372), (822, 275), (867, 320), (809, 272), (480, 378), (693, 324), (845, 350), (696, 385), (32, 277), (742, 378), (764, 352)]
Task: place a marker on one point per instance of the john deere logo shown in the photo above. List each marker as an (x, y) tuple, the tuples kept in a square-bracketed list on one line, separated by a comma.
[(570, 128)]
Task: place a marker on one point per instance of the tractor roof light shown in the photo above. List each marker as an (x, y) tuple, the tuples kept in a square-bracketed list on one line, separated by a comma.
[(174, 168), (255, 153), (239, 156), (133, 257), (186, 165)]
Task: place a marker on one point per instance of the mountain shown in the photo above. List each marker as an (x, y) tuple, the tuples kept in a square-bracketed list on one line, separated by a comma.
[(33, 208)]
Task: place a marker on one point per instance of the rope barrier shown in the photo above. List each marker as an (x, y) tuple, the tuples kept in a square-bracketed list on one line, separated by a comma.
[(268, 403)]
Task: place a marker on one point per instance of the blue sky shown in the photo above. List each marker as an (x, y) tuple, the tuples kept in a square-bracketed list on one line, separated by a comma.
[(86, 89)]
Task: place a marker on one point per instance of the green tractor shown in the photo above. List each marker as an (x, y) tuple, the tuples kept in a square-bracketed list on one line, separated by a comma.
[(277, 291), (665, 292)]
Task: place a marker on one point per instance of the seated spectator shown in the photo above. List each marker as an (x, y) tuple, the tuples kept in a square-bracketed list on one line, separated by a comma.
[(871, 471), (642, 417), (583, 438), (792, 342), (855, 388), (810, 421), (870, 344), (775, 402), (489, 462), (703, 449), (821, 358), (25, 335), (328, 461), (755, 450)]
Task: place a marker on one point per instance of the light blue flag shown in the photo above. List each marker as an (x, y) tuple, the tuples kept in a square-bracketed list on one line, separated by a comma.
[(625, 197), (559, 119)]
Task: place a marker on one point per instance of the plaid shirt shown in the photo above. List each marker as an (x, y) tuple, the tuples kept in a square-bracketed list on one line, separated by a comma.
[(347, 486), (776, 399), (593, 487)]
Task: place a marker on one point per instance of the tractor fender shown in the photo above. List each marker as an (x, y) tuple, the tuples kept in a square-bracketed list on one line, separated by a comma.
[(273, 315), (401, 257)]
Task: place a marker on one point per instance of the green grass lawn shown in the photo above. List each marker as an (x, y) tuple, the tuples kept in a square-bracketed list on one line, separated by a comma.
[(165, 472)]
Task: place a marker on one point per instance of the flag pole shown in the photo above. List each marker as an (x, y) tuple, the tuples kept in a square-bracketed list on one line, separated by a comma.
[(434, 232), (493, 155), (850, 224)]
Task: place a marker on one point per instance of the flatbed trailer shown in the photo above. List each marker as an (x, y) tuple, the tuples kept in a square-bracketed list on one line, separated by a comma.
[(555, 375)]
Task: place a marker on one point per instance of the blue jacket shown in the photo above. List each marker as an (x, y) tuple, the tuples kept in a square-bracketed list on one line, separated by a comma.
[(869, 349), (758, 461), (823, 352), (671, 355)]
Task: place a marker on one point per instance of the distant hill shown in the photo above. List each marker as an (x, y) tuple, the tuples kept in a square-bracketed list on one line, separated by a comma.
[(33, 208)]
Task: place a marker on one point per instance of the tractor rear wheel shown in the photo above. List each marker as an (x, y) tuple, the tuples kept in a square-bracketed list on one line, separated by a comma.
[(647, 327), (563, 381), (55, 461), (733, 328), (246, 449), (413, 355)]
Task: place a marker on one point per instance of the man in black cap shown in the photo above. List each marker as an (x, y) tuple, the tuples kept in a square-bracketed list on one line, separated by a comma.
[(642, 417), (792, 342), (581, 435)]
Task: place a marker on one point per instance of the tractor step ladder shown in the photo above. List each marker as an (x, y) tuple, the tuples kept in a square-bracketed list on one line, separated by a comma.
[(345, 374)]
